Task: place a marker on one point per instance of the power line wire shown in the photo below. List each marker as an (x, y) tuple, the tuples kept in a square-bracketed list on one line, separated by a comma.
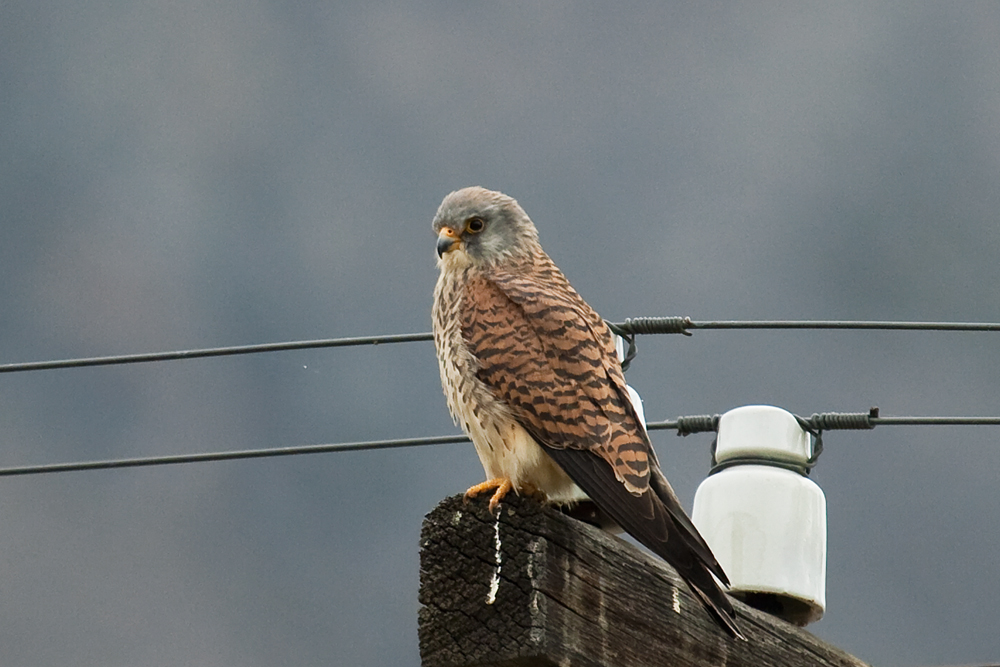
[(230, 455), (212, 352), (682, 424), (630, 327)]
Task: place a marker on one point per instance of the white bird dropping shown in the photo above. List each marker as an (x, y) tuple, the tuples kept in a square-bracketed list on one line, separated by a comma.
[(491, 596)]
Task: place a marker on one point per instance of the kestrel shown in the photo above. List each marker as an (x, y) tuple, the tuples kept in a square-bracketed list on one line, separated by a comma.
[(531, 374)]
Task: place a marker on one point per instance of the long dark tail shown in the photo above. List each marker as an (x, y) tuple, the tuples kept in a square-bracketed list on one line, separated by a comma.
[(656, 519), (699, 571), (713, 598)]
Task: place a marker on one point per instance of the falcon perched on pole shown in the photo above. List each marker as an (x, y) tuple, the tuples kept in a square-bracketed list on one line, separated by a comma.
[(531, 374)]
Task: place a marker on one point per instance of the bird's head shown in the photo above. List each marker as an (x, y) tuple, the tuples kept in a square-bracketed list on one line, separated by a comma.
[(482, 227)]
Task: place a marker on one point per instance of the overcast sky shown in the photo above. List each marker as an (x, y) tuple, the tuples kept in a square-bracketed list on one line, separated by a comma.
[(198, 173)]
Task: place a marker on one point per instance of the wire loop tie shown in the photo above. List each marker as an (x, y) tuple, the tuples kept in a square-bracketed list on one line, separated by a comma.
[(698, 424)]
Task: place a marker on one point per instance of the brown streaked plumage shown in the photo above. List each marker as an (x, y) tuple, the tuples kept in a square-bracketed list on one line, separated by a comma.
[(531, 374)]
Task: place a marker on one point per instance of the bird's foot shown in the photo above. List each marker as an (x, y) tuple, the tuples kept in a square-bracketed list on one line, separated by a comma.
[(533, 493), (502, 486)]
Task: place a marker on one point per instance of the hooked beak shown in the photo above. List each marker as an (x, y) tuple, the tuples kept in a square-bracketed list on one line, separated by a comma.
[(448, 240)]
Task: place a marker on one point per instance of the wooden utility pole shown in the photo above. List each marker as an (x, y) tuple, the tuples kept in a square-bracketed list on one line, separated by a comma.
[(535, 588)]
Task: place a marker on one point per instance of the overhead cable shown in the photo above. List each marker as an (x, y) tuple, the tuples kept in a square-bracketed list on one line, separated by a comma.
[(628, 329), (230, 455), (684, 426), (212, 352)]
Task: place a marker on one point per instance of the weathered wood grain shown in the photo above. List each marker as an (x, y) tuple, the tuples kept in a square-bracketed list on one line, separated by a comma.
[(570, 594)]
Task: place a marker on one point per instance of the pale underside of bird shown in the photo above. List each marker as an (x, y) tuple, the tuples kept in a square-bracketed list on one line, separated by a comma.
[(531, 374)]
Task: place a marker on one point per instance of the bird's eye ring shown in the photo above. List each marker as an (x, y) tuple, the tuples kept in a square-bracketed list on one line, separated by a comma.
[(475, 225)]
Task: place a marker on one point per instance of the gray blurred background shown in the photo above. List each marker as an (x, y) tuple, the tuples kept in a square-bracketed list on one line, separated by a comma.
[(202, 173)]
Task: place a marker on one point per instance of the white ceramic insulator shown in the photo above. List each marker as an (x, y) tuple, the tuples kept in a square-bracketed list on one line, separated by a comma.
[(632, 393), (766, 525)]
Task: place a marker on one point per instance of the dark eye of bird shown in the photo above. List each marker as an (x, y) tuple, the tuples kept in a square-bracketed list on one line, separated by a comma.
[(475, 225)]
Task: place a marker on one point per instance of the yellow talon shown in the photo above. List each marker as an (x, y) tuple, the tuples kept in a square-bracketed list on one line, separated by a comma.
[(502, 486)]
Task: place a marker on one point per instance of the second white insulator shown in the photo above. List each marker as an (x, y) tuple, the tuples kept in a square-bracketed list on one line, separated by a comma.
[(764, 520)]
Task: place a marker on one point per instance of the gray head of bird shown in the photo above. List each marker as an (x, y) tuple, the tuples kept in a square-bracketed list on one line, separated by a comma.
[(482, 227)]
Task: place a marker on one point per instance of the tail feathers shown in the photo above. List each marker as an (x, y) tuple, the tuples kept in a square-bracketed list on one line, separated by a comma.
[(661, 487), (718, 605), (655, 524), (700, 564)]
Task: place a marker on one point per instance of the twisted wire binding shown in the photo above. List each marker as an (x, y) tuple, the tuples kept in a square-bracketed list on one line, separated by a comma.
[(830, 421), (647, 325), (656, 325), (697, 424)]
